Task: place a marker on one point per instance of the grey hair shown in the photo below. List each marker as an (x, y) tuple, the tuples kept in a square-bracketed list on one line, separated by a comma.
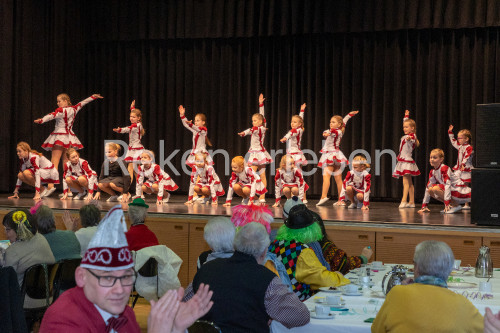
[(219, 234), (46, 220), (137, 214), (89, 216), (252, 239), (434, 258)]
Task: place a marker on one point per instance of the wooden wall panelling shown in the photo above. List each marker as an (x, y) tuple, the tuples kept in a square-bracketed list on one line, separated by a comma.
[(400, 247), (352, 241)]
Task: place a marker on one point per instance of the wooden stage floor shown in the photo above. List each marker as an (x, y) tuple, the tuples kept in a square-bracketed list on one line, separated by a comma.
[(380, 212)]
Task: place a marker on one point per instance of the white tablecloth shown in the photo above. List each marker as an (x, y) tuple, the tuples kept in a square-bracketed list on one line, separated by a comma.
[(367, 306)]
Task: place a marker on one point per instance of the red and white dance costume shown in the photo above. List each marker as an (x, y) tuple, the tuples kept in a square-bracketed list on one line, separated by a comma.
[(452, 186), (135, 148), (294, 137), (41, 168), (291, 179), (63, 132), (154, 175), (258, 154), (406, 165), (465, 152), (82, 168), (331, 153), (205, 178), (361, 182), (199, 142), (247, 178)]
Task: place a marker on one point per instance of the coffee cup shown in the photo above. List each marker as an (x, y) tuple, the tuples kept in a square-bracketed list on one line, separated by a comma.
[(365, 280), (485, 287), (456, 264), (351, 288), (333, 300), (376, 264), (322, 310)]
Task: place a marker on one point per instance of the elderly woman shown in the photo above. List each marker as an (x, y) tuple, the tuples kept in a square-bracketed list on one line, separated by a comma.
[(139, 236), (427, 305), (90, 217), (63, 243), (219, 234), (28, 247)]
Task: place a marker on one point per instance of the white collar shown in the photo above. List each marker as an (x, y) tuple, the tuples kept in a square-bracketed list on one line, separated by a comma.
[(105, 315)]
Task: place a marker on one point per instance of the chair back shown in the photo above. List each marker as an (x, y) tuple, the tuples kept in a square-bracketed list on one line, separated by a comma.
[(36, 283), (203, 326), (65, 276), (150, 268)]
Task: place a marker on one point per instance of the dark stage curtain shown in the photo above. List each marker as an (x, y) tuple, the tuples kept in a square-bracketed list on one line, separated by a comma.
[(438, 59)]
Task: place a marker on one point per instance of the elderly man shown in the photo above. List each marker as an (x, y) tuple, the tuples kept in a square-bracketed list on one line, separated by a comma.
[(89, 219), (246, 294), (219, 235), (104, 281), (139, 236), (427, 305)]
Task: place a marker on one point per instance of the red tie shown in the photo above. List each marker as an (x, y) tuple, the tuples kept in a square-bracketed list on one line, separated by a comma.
[(115, 323)]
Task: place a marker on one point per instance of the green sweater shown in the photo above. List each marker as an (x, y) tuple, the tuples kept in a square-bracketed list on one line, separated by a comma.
[(64, 244)]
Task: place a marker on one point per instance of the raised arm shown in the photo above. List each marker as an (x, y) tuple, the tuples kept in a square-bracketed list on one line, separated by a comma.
[(261, 105), (349, 116), (81, 104), (407, 115), (302, 110), (454, 142), (187, 123)]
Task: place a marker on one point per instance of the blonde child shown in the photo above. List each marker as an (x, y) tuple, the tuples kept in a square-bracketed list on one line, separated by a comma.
[(244, 181), (204, 181), (200, 139), (406, 166), (63, 136), (258, 156), (289, 180), (357, 184), (78, 175), (35, 169), (295, 137), (152, 179), (332, 159), (444, 186), (464, 160), (115, 180), (135, 133)]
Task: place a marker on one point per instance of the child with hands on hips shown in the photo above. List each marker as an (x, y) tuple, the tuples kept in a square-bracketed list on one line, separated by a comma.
[(258, 156), (204, 181), (35, 169), (357, 184), (464, 160), (244, 181), (294, 136), (406, 166), (152, 179), (112, 178), (63, 136), (289, 180), (78, 175), (444, 186), (135, 133), (332, 159)]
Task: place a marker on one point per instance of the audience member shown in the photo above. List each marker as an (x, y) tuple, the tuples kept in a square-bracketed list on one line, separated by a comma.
[(89, 220), (427, 305), (219, 235), (139, 236)]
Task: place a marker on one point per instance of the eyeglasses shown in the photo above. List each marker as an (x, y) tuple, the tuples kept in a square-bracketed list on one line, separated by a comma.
[(110, 280), (7, 229)]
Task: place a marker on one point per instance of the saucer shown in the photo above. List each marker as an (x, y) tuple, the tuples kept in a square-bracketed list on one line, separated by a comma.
[(352, 294), (328, 290), (323, 301), (328, 316)]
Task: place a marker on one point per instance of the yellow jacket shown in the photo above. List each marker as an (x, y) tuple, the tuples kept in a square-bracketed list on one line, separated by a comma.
[(310, 271), (426, 308)]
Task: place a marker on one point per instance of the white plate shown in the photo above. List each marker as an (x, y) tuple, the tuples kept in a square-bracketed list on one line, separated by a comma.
[(461, 285), (352, 294), (462, 273), (323, 301), (328, 290), (330, 316)]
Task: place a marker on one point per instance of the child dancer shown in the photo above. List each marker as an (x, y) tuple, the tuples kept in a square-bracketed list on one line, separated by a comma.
[(78, 175), (289, 180), (444, 186), (464, 161), (204, 181), (357, 184), (259, 156), (332, 159), (135, 133), (295, 137), (63, 137), (152, 179), (406, 166), (200, 139), (34, 169), (115, 179), (244, 181)]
